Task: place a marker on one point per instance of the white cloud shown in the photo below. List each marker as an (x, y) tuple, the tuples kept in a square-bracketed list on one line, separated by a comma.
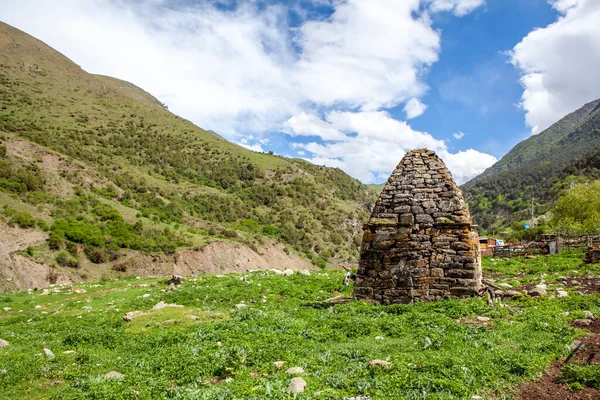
[(563, 5), (304, 124), (366, 54), (467, 164), (375, 142), (559, 64), (413, 108), (458, 7), (245, 142), (245, 73), (458, 135)]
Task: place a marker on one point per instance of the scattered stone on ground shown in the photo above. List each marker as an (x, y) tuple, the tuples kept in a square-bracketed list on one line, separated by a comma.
[(160, 305), (588, 315), (279, 364), (240, 305), (361, 397), (7, 308), (48, 353), (304, 272), (505, 285), (483, 319), (192, 317), (170, 287), (295, 371), (146, 295), (537, 291), (3, 343), (582, 322), (512, 293), (176, 280), (378, 337), (277, 272), (169, 322), (562, 293), (132, 314), (297, 385), (574, 344), (288, 272), (379, 363), (69, 352), (114, 375), (3, 372)]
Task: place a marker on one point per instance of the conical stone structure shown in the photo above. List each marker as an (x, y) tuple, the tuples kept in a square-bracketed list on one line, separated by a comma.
[(419, 244)]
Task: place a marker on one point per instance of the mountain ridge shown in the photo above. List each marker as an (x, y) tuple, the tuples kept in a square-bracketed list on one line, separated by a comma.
[(103, 168), (535, 168)]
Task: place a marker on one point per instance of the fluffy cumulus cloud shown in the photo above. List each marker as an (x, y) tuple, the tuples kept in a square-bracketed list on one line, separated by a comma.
[(457, 7), (374, 142), (243, 72), (414, 108), (560, 63)]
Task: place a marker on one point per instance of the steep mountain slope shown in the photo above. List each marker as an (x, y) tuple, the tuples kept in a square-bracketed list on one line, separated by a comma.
[(539, 167), (105, 169)]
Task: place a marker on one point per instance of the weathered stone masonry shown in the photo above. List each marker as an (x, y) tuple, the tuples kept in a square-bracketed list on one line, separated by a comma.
[(419, 244)]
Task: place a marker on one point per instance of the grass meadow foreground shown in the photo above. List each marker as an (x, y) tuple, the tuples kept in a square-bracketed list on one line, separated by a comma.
[(223, 340)]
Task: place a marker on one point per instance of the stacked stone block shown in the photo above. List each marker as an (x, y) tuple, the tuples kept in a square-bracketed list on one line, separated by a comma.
[(419, 244)]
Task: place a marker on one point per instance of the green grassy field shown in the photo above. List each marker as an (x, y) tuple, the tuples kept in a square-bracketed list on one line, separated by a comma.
[(212, 348)]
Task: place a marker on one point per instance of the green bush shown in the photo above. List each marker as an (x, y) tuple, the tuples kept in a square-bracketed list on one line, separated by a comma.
[(66, 260), (321, 263), (23, 219), (100, 255), (42, 225)]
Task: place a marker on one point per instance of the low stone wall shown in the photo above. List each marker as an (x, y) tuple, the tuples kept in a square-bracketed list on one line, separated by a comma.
[(419, 244)]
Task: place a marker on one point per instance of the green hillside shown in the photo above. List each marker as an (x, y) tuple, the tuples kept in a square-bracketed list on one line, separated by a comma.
[(103, 166), (540, 167)]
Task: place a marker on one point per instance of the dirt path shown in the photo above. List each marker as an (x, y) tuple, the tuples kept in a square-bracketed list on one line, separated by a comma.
[(549, 387)]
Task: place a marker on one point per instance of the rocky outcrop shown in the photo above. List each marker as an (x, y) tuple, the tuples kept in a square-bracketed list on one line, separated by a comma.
[(419, 244)]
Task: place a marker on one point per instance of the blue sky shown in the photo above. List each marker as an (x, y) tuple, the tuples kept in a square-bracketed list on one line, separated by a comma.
[(352, 84)]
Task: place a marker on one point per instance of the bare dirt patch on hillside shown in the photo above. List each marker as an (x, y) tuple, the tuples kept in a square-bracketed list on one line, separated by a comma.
[(550, 385)]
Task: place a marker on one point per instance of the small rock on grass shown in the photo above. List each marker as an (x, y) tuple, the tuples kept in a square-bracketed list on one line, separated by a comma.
[(295, 371), (3, 343), (380, 363), (505, 285), (241, 305), (48, 353), (362, 397), (278, 364), (131, 315), (562, 293), (288, 272), (537, 291), (483, 319), (512, 293), (169, 322), (69, 352), (582, 322), (297, 385), (588, 315), (114, 375)]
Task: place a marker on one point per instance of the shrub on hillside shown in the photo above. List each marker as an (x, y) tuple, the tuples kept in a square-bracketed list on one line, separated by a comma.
[(100, 255), (66, 260), (23, 219)]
